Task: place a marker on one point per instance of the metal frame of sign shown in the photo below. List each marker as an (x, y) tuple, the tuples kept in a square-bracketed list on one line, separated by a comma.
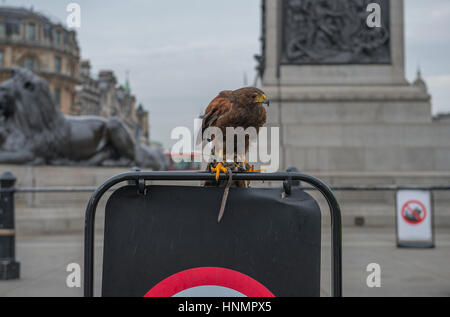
[(139, 179), (416, 244)]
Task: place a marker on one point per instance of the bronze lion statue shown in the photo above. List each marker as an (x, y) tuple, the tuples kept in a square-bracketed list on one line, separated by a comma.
[(33, 131)]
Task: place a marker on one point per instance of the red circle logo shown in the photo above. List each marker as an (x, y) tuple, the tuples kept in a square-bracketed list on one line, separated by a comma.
[(414, 212), (209, 276)]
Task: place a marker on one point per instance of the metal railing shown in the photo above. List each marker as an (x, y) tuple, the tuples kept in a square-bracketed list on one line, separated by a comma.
[(386, 188)]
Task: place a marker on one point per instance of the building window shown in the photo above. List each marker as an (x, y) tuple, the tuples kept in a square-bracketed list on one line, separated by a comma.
[(2, 31), (58, 37), (58, 96), (12, 27), (48, 31), (1, 59), (58, 64), (30, 63), (32, 31)]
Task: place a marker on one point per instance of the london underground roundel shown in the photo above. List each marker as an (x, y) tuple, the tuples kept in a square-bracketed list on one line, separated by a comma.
[(209, 282)]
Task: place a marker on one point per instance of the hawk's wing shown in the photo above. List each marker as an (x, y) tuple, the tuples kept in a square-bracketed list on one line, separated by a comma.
[(220, 106)]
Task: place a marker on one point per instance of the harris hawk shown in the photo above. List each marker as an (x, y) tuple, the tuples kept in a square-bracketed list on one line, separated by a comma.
[(241, 108)]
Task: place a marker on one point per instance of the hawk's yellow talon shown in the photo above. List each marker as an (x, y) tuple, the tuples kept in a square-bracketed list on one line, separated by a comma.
[(217, 173), (219, 168), (252, 169), (259, 170)]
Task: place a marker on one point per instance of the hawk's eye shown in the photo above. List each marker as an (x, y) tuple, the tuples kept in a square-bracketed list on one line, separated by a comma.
[(258, 98)]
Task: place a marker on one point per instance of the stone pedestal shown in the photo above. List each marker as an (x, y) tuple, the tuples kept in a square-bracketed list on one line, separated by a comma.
[(334, 29), (339, 116), (60, 212)]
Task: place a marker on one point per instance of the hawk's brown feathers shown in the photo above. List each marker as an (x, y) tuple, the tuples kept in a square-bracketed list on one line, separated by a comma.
[(242, 108), (239, 108)]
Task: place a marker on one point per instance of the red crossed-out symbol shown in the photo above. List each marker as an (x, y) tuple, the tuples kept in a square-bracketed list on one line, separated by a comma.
[(213, 276), (414, 212)]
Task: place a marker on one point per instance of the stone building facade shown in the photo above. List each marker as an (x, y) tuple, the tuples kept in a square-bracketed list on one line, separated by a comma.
[(104, 97), (143, 117), (88, 93), (31, 40)]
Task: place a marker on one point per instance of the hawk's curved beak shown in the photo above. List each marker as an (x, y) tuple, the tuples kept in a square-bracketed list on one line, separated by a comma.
[(263, 99), (266, 100)]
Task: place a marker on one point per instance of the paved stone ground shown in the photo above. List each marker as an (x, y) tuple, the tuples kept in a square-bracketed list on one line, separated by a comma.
[(405, 272)]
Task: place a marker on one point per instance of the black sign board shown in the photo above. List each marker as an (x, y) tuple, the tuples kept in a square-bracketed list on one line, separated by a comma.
[(271, 241)]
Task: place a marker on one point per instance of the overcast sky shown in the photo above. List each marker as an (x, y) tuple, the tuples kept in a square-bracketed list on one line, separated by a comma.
[(181, 53)]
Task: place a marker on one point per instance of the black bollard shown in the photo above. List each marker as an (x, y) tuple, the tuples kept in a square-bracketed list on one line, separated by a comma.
[(9, 267)]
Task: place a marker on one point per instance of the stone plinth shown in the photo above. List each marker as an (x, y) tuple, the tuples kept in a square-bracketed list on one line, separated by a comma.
[(352, 123), (59, 211), (55, 212), (351, 117)]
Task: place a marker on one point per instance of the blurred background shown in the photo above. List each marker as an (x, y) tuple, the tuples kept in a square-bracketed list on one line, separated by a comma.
[(179, 55), (356, 107)]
